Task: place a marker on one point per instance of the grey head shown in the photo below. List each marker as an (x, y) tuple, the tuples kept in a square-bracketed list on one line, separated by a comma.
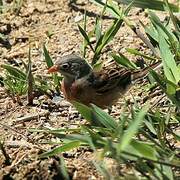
[(72, 66)]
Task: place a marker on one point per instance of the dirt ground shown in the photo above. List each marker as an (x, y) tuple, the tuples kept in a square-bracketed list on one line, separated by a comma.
[(30, 27)]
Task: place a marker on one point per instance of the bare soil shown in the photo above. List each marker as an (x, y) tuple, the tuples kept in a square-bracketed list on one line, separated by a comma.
[(30, 28)]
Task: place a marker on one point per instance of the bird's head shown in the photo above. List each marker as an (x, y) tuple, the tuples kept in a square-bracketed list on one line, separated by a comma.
[(71, 67)]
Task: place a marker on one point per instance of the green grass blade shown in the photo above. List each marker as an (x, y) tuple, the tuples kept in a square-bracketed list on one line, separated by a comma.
[(104, 118), (98, 29), (162, 81), (96, 116), (84, 46), (150, 126), (47, 57), (128, 8), (173, 18), (151, 33), (84, 110), (102, 170), (95, 139), (63, 148), (144, 149), (108, 7), (168, 172), (122, 60), (86, 37), (50, 63), (132, 129), (164, 84), (106, 38), (14, 71), (150, 4), (164, 30), (169, 64), (111, 32), (136, 52)]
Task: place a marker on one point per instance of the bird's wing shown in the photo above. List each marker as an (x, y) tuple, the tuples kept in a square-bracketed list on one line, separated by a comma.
[(109, 79), (114, 76)]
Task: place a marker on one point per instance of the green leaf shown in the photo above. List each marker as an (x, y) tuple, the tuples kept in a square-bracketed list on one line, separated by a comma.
[(170, 89), (98, 66), (54, 131), (96, 115), (150, 126), (83, 138), (169, 64), (121, 59), (84, 110), (136, 52), (16, 85), (164, 83), (104, 118), (144, 149), (86, 37), (111, 32), (150, 4), (98, 29), (14, 71), (50, 63), (100, 167), (132, 129), (109, 7), (173, 18), (106, 38), (47, 57), (63, 148), (95, 140), (85, 43), (168, 172), (151, 32), (159, 79), (115, 7), (165, 32)]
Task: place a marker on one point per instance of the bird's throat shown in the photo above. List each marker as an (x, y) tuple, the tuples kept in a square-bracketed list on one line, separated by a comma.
[(68, 81)]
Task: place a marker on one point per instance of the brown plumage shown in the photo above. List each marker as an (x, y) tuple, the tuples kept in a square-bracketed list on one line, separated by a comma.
[(101, 88)]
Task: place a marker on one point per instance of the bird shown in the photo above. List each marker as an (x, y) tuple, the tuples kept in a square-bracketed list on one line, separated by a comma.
[(103, 88)]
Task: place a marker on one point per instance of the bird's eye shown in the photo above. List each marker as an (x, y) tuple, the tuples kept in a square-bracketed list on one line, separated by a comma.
[(65, 66)]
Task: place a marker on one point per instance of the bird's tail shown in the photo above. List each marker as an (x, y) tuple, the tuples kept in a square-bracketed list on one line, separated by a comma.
[(145, 71)]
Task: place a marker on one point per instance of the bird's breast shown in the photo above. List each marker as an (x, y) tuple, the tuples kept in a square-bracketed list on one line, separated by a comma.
[(66, 89), (70, 90)]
